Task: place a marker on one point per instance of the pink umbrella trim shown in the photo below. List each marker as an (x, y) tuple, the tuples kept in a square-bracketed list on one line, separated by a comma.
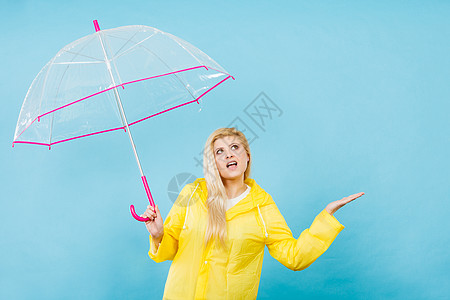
[(118, 128), (108, 89)]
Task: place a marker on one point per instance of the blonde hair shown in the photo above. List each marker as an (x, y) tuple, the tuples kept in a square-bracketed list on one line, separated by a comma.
[(217, 196)]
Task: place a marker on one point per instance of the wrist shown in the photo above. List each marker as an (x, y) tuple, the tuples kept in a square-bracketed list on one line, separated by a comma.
[(157, 239), (330, 211)]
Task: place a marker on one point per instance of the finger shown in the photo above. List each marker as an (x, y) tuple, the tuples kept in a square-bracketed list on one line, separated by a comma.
[(158, 213), (150, 211), (356, 195), (353, 197)]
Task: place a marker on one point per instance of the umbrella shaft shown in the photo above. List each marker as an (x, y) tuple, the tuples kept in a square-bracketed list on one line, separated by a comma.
[(116, 94), (119, 103)]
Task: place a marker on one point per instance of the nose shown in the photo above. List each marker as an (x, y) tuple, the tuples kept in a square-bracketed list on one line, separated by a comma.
[(228, 154)]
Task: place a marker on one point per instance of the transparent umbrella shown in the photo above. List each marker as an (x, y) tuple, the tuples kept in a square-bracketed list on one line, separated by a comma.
[(111, 80)]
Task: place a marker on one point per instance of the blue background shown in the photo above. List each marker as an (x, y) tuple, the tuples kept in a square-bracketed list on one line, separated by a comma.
[(364, 92)]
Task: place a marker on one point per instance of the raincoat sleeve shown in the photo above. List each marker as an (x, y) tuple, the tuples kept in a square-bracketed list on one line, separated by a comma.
[(172, 228), (298, 254)]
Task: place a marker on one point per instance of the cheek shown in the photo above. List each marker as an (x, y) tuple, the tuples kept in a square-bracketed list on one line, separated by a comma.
[(243, 157), (219, 163), (244, 165)]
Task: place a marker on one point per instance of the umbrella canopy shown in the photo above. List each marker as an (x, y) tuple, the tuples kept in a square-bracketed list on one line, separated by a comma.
[(113, 79), (73, 95)]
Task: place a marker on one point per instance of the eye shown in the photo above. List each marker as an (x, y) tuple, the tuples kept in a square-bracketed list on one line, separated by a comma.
[(235, 147), (219, 151)]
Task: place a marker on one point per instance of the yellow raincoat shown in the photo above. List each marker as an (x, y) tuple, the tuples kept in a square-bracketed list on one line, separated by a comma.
[(253, 223)]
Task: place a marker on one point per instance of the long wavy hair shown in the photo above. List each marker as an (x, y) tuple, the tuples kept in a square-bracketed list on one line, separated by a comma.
[(217, 196)]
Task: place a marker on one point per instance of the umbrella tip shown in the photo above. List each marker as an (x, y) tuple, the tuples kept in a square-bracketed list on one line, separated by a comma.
[(97, 28)]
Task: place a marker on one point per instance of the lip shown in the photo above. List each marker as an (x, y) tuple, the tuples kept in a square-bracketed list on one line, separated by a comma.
[(231, 162)]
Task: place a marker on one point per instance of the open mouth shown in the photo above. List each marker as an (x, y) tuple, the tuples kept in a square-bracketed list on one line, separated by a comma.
[(232, 165)]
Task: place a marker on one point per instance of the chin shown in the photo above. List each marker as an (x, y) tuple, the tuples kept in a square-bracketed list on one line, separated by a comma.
[(231, 176)]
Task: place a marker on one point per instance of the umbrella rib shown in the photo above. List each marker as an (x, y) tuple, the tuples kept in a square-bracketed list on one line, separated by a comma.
[(51, 130), (174, 39), (44, 85), (181, 82), (78, 62), (120, 80), (129, 49), (124, 43), (59, 86), (139, 44), (96, 59), (16, 136)]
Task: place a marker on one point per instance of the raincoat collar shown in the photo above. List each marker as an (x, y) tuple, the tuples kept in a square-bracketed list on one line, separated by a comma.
[(256, 197)]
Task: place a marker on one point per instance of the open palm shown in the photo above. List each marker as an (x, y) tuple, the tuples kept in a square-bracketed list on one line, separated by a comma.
[(335, 205)]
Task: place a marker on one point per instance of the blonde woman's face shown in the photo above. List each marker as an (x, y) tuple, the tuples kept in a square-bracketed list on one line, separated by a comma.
[(231, 157)]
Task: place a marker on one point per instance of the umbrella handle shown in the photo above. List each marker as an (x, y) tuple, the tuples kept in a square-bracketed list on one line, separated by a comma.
[(136, 216), (150, 199)]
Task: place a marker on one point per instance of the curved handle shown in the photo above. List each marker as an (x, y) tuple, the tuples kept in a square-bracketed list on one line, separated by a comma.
[(150, 199), (136, 216)]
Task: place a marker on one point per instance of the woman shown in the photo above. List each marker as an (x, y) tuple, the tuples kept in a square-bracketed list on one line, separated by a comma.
[(216, 231)]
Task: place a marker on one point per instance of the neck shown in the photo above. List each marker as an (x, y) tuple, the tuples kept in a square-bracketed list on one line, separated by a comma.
[(234, 187)]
